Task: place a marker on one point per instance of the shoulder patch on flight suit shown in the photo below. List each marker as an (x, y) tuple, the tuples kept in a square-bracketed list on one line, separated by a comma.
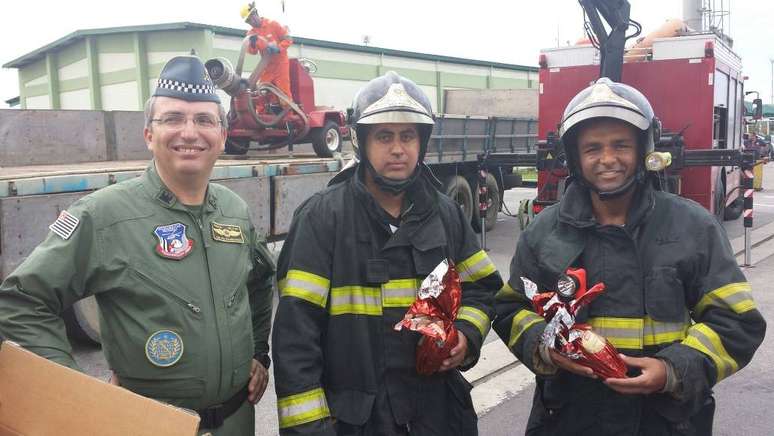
[(164, 348), (227, 233), (173, 242), (65, 225)]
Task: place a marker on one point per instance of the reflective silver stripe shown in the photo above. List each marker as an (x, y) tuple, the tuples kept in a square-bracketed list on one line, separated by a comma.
[(400, 292), (735, 296), (358, 300), (521, 322), (621, 332), (660, 333), (302, 408), (702, 338), (305, 285), (476, 317), (476, 267)]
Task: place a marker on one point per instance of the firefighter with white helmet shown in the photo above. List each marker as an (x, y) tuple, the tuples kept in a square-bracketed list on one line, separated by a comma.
[(676, 305), (616, 101), (349, 270)]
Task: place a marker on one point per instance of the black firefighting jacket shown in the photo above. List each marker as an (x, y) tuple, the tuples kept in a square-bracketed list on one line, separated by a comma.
[(345, 281), (673, 291)]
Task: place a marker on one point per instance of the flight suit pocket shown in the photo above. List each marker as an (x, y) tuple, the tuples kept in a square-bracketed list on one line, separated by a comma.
[(241, 325), (166, 289), (242, 373), (665, 295)]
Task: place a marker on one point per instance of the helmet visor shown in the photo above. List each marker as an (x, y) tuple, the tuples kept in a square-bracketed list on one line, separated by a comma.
[(632, 117), (396, 116)]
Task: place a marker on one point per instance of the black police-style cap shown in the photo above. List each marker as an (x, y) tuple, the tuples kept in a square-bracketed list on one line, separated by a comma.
[(185, 77)]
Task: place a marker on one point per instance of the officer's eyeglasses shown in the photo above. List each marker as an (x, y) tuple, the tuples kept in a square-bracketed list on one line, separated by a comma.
[(176, 121)]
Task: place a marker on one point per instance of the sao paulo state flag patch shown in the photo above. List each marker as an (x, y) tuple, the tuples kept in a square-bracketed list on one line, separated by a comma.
[(65, 225)]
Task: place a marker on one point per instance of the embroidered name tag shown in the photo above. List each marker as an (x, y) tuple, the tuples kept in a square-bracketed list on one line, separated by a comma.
[(227, 233)]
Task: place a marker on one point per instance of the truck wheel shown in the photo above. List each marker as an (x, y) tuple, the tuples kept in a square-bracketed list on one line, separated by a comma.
[(237, 145), (326, 140), (492, 207), (459, 190), (720, 200), (734, 210)]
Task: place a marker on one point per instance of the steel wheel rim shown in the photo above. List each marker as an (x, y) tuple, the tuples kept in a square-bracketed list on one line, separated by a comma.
[(332, 139)]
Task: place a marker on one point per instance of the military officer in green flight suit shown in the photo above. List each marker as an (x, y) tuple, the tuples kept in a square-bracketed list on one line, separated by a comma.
[(182, 279)]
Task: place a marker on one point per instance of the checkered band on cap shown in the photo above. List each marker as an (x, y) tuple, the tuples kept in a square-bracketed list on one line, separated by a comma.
[(191, 88)]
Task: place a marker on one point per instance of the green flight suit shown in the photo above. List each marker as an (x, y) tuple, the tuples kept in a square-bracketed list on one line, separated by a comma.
[(214, 304)]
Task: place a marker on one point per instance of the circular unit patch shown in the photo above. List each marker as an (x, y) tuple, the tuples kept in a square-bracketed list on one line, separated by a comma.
[(164, 348)]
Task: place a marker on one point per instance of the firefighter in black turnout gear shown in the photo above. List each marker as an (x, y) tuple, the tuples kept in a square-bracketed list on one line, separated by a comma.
[(676, 304), (349, 270)]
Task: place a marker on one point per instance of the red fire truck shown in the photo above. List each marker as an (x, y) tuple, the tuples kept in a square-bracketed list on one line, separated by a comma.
[(695, 85)]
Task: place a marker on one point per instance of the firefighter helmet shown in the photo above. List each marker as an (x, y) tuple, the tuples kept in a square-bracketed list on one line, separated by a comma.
[(390, 99), (608, 99)]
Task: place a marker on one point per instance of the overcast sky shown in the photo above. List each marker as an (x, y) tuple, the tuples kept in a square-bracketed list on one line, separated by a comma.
[(510, 31)]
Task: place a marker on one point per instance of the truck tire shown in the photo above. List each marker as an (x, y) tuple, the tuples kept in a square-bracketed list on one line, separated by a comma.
[(458, 189), (82, 321), (720, 200), (326, 140), (734, 210), (237, 145), (493, 207)]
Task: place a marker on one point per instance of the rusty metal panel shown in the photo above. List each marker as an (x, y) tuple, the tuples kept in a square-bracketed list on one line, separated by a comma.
[(128, 143), (255, 192), (24, 224), (290, 192), (32, 137)]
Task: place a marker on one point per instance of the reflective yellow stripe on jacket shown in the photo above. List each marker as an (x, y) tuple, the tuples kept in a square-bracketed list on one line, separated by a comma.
[(359, 300), (734, 296), (369, 300), (400, 292), (302, 408), (475, 317), (636, 333), (523, 320), (476, 267), (704, 339), (306, 286)]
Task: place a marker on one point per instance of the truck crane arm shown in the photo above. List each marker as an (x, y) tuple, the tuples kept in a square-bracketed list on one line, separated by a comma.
[(610, 45)]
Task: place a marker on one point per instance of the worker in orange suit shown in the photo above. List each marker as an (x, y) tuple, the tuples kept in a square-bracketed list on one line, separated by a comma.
[(270, 38)]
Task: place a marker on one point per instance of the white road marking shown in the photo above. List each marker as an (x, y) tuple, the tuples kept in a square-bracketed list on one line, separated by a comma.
[(488, 393), (495, 391)]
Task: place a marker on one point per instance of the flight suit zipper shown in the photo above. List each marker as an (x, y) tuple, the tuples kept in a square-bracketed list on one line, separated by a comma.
[(200, 225), (162, 287)]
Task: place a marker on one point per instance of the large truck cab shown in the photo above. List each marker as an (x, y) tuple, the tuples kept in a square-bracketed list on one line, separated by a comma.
[(696, 87)]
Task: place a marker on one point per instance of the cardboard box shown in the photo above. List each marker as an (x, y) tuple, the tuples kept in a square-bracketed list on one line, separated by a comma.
[(39, 397)]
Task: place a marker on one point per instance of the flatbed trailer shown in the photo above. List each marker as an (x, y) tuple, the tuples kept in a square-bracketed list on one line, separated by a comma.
[(45, 165)]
